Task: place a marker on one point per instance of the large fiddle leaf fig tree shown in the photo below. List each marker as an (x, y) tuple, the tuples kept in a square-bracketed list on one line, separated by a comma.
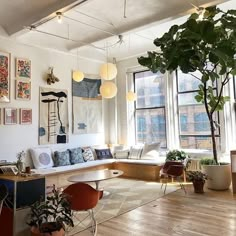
[(206, 44)]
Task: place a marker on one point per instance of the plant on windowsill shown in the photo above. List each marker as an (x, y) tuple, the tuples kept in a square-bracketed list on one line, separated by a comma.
[(50, 217), (204, 43), (198, 179)]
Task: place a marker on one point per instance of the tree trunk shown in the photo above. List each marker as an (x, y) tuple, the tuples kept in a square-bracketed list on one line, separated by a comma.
[(213, 138)]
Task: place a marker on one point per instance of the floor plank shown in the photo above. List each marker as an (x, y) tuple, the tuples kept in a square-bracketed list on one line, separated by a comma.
[(212, 213)]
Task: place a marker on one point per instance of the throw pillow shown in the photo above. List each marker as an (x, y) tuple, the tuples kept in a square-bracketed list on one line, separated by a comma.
[(150, 151), (103, 153), (122, 154), (41, 157), (76, 155), (135, 152), (62, 158), (88, 154)]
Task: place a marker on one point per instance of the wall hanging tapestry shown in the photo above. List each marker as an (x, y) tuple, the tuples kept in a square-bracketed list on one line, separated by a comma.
[(4, 76), (87, 106), (53, 116)]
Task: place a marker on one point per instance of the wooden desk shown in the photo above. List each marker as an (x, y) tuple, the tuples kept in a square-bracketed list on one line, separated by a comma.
[(95, 176), (23, 192)]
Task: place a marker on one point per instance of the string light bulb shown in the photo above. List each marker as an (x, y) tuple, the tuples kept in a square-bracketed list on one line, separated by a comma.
[(59, 17)]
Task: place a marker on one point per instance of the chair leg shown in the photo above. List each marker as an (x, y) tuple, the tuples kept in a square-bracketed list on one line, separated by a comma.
[(94, 223), (165, 188), (182, 186)]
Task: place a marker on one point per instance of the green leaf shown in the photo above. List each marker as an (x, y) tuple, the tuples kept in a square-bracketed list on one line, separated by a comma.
[(192, 25), (232, 12), (198, 98), (204, 78), (213, 58), (233, 72), (194, 16)]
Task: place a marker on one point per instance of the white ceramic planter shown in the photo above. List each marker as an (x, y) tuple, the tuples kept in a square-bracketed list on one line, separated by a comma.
[(219, 176)]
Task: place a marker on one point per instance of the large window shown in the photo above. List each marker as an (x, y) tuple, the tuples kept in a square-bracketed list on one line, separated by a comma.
[(150, 115), (194, 124)]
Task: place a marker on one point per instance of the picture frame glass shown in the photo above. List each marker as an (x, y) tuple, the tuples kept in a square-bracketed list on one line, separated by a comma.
[(10, 116), (23, 68), (25, 116), (23, 90)]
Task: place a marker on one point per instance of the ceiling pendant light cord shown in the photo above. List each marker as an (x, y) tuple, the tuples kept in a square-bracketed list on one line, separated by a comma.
[(125, 9)]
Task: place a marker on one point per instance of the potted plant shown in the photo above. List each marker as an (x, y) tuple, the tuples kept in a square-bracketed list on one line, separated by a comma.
[(50, 217), (202, 44), (219, 175), (198, 179), (176, 155)]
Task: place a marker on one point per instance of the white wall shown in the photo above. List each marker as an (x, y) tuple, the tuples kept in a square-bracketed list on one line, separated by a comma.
[(15, 138)]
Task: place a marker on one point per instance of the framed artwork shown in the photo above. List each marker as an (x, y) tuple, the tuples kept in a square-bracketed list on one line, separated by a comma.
[(25, 116), (53, 116), (5, 77), (10, 116), (23, 90), (23, 68)]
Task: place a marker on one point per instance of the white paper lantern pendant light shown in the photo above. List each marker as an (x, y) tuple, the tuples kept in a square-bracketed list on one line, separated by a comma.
[(108, 71), (108, 89), (78, 75), (131, 96)]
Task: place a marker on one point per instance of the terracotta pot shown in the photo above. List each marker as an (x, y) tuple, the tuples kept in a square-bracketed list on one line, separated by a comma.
[(35, 232), (198, 186)]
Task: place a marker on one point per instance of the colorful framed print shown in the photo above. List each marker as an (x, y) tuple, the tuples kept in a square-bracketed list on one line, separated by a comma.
[(5, 77), (23, 68), (10, 116), (23, 90), (25, 116)]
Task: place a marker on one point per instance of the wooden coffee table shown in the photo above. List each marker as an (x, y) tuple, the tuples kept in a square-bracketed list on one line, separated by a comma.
[(95, 176)]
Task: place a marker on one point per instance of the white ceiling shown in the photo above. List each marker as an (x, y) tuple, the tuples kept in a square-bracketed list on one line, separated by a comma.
[(91, 25)]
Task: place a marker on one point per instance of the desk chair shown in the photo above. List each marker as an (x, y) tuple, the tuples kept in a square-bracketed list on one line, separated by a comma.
[(83, 197), (3, 195), (174, 170)]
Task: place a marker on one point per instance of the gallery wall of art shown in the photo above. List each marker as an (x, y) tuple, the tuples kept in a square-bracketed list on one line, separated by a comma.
[(19, 118)]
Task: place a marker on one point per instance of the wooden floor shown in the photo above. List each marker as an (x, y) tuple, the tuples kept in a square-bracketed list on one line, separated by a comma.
[(211, 213)]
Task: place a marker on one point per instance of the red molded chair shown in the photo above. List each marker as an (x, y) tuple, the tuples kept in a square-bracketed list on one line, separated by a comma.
[(83, 197), (174, 170)]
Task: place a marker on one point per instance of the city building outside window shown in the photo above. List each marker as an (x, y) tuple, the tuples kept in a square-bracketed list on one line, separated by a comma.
[(150, 118), (194, 127)]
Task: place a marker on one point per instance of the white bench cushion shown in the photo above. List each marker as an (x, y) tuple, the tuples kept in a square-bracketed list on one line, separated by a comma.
[(78, 166)]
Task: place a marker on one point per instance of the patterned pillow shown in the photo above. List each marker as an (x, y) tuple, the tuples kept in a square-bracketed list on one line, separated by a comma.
[(41, 157), (62, 158), (76, 155), (88, 154), (135, 152), (103, 154)]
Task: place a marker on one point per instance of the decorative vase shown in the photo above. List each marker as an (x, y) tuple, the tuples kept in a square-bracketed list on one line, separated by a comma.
[(20, 166), (198, 186)]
